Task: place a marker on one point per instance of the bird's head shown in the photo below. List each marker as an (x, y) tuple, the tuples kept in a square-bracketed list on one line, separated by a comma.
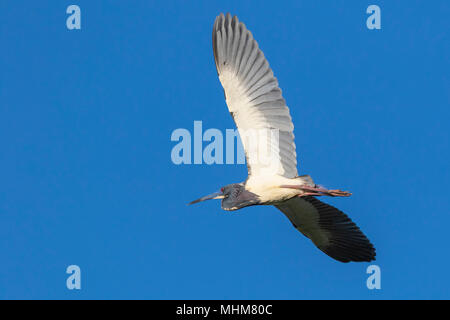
[(234, 196)]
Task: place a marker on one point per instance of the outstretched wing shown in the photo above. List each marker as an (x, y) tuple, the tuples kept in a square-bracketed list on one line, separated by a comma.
[(254, 99), (329, 229)]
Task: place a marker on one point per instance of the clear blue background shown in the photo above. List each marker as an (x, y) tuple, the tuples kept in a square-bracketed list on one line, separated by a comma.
[(86, 176)]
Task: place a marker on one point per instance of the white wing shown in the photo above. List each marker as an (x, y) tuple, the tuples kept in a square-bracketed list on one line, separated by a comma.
[(329, 229), (254, 100)]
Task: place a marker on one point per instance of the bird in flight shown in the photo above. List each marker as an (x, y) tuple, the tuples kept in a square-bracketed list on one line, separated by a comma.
[(256, 104)]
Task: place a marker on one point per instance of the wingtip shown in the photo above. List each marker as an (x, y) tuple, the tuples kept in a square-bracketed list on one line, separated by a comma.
[(226, 18)]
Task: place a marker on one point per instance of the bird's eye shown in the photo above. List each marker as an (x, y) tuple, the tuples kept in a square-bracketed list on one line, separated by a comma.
[(221, 190)]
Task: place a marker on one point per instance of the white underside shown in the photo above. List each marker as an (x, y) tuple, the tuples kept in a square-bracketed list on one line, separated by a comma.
[(270, 190)]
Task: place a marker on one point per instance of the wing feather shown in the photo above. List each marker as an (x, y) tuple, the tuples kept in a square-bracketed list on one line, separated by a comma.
[(254, 98), (329, 229)]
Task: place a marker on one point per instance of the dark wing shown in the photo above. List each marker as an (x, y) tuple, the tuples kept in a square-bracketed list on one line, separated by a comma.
[(329, 229)]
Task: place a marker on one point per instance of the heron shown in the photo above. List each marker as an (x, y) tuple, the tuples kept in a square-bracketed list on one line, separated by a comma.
[(255, 101)]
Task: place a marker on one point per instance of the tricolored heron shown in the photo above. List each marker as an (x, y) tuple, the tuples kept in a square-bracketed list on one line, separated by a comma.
[(255, 102)]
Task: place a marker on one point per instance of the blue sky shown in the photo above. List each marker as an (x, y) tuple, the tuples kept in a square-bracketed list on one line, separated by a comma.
[(87, 179)]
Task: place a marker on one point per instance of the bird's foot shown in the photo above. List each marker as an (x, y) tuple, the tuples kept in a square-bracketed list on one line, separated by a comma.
[(339, 193), (319, 191)]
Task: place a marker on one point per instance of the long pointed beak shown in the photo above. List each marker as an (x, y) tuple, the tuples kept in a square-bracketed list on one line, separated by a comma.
[(215, 195)]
